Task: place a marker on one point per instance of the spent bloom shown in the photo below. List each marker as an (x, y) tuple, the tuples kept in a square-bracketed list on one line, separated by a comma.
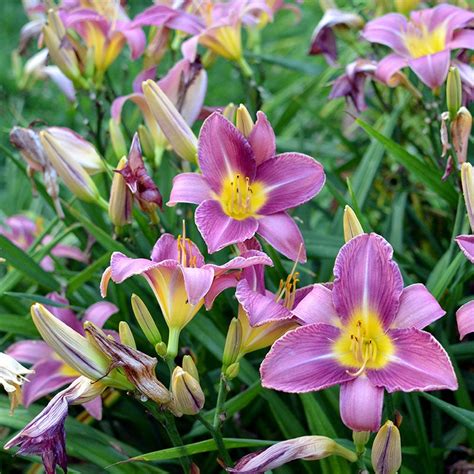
[(423, 42), (244, 188), (50, 371), (12, 378), (364, 333), (23, 231), (45, 434)]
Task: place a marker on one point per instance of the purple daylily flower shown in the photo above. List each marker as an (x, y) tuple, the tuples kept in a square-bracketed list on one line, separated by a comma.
[(178, 276), (364, 334), (323, 40), (423, 43), (245, 188), (51, 373), (22, 231), (45, 434)]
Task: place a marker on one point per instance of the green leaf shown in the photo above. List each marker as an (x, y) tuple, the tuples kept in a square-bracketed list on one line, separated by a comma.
[(463, 416), (430, 178), (22, 262), (88, 273), (18, 325)]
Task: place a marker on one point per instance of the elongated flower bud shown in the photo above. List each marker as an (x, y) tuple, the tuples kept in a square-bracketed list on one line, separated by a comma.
[(460, 132), (126, 335), (146, 141), (232, 343), (74, 349), (453, 92), (188, 395), (467, 181), (190, 367), (386, 450), (121, 198), (117, 139), (145, 320), (74, 175), (173, 125), (244, 121), (351, 224)]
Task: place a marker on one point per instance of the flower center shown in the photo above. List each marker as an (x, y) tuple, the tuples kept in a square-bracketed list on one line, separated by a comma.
[(185, 254), (241, 199), (363, 344), (287, 290), (419, 41)]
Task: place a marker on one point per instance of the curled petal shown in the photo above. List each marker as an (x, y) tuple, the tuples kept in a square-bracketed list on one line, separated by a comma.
[(432, 69), (466, 244), (100, 312), (387, 30), (197, 281), (262, 139), (388, 67), (166, 248), (189, 187), (465, 319), (317, 307)]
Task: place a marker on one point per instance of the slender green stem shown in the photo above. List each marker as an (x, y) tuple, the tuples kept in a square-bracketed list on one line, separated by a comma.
[(221, 395), (173, 343), (217, 436)]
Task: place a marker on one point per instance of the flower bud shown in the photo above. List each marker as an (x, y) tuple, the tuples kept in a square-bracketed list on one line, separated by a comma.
[(75, 349), (232, 343), (232, 371), (121, 199), (244, 121), (460, 132), (229, 112), (173, 125), (126, 335), (64, 161), (467, 181), (360, 439), (146, 141), (351, 224), (161, 349), (145, 321), (386, 450), (188, 395), (117, 139), (453, 92), (190, 367), (406, 6)]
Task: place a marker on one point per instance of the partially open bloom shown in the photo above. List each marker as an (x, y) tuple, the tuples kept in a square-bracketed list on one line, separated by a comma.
[(178, 276), (12, 377), (23, 231), (45, 434), (364, 333), (323, 40), (466, 242), (423, 43), (245, 188), (307, 448), (50, 371)]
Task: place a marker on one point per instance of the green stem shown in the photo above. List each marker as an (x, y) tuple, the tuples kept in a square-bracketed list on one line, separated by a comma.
[(217, 436), (221, 396), (173, 343), (103, 203)]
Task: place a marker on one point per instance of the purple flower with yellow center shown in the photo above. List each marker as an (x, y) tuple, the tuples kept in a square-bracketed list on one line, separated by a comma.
[(245, 188), (50, 371), (179, 277), (423, 43), (364, 333)]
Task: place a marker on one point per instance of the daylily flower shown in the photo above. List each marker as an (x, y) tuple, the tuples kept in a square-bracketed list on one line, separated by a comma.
[(423, 43), (185, 85), (23, 231), (466, 242), (12, 377), (50, 371), (245, 188), (138, 180), (323, 40), (364, 333), (45, 434), (178, 276), (307, 448)]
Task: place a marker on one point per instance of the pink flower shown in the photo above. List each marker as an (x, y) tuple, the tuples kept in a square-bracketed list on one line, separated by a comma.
[(424, 43), (364, 334), (22, 231), (51, 373), (245, 188)]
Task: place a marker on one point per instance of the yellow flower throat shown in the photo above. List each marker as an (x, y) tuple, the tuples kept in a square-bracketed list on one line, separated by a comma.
[(419, 41), (363, 344)]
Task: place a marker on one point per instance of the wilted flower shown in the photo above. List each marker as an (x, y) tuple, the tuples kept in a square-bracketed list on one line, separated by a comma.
[(23, 231), (323, 40), (245, 188), (179, 278), (12, 377), (307, 448), (45, 434), (387, 450), (466, 242), (50, 371), (363, 333), (423, 43)]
